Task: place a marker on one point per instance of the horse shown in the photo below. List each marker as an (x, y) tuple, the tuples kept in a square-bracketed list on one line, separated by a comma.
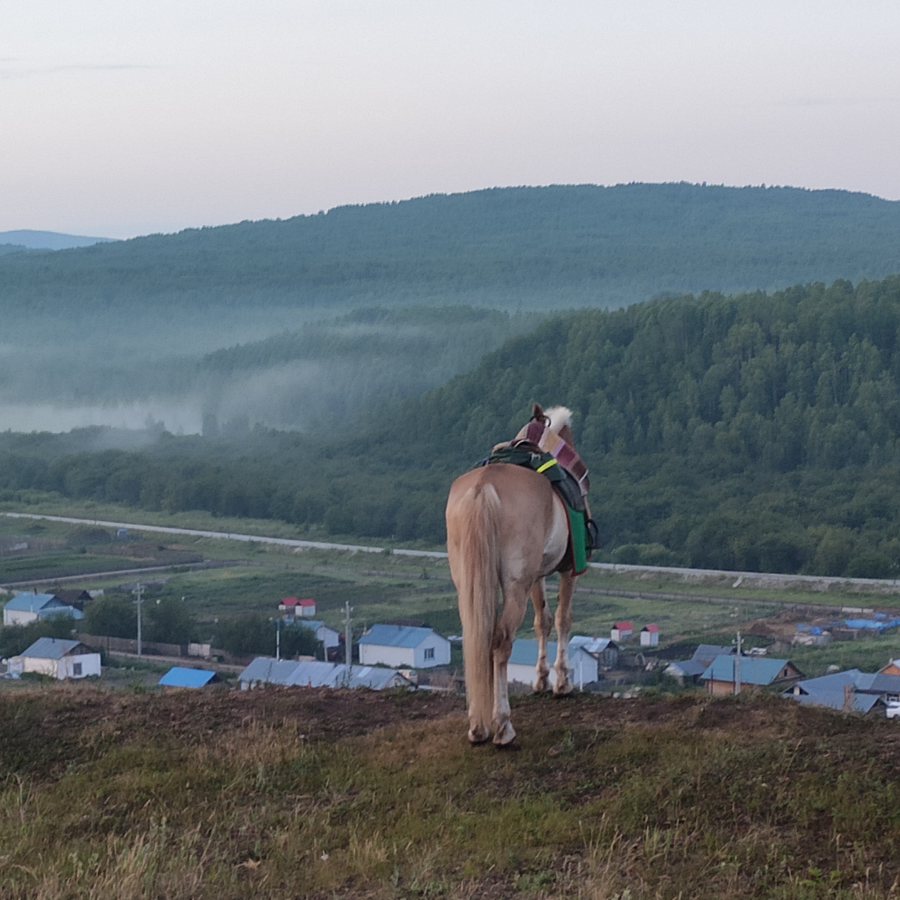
[(507, 529)]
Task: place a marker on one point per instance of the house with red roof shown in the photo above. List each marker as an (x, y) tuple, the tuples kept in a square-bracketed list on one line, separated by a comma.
[(305, 608), (650, 635), (621, 631)]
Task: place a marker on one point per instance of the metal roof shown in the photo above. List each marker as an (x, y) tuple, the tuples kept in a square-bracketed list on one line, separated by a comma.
[(525, 652), (397, 636), (758, 670), (26, 601), (829, 690), (709, 652), (52, 648), (315, 673), (178, 676), (267, 670), (834, 699), (592, 645)]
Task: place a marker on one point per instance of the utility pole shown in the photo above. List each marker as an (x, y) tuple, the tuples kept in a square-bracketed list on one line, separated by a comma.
[(278, 639), (737, 666), (348, 640), (140, 588)]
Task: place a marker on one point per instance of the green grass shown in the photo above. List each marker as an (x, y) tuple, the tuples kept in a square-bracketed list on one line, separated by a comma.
[(47, 566), (263, 796)]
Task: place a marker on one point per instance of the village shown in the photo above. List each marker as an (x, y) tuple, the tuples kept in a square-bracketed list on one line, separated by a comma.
[(413, 656)]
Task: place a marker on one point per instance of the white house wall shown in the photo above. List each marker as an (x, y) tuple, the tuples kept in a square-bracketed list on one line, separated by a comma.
[(441, 647), (40, 666), (582, 670), (395, 657), (90, 665), (18, 616)]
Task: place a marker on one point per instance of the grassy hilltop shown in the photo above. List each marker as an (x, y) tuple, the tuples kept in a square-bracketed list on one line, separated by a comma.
[(288, 793)]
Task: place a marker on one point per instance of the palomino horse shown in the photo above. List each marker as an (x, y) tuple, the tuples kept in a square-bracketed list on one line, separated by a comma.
[(506, 530)]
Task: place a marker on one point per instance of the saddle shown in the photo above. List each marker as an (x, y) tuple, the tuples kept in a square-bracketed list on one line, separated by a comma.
[(572, 488)]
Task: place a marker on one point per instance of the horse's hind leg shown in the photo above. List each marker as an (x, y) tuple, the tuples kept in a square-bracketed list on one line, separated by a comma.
[(543, 622), (563, 626), (515, 600)]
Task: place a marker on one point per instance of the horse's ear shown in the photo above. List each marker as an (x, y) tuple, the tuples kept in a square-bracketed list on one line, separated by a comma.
[(537, 412)]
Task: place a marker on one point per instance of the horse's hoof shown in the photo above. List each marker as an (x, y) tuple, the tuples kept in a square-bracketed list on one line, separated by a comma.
[(541, 686), (478, 736), (563, 690), (504, 734)]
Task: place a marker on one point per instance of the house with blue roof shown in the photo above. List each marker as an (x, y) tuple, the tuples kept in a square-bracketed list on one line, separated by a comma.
[(849, 691), (29, 606), (403, 646), (732, 674), (57, 658), (182, 677), (583, 665), (688, 671), (315, 673)]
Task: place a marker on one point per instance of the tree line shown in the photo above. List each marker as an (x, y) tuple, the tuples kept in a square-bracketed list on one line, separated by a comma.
[(575, 245), (755, 431)]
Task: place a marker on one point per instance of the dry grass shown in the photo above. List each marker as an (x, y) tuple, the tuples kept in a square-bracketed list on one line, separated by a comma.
[(308, 794)]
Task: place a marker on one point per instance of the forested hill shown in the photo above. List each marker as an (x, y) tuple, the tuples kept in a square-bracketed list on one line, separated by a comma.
[(550, 247), (747, 432)]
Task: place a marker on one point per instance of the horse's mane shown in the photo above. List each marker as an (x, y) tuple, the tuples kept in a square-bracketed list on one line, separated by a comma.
[(559, 417)]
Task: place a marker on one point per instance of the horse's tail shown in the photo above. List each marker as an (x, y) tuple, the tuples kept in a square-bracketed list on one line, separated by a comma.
[(478, 604)]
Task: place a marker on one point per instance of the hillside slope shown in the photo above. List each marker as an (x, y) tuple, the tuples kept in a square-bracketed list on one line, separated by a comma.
[(283, 793), (554, 247)]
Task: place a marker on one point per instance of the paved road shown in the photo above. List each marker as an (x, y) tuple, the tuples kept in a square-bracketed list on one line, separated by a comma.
[(231, 536)]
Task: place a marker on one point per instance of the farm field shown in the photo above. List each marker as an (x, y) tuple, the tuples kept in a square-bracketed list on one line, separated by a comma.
[(387, 586)]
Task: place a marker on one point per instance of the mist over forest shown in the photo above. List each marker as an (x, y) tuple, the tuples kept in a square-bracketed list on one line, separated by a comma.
[(319, 319), (747, 432)]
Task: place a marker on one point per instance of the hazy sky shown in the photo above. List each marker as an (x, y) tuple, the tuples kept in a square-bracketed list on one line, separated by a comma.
[(120, 117)]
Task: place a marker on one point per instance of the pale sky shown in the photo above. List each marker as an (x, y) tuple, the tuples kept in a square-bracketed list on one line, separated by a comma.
[(120, 118)]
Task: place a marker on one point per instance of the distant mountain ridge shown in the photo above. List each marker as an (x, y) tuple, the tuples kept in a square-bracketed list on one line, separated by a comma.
[(48, 240), (549, 247)]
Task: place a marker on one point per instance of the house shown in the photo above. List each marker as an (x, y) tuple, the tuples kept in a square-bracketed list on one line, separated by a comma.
[(314, 673), (621, 631), (850, 691), (690, 670), (305, 608), (523, 662), (29, 606), (732, 674), (181, 677), (57, 658), (403, 645), (604, 650), (328, 636), (73, 597), (650, 635), (892, 668)]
